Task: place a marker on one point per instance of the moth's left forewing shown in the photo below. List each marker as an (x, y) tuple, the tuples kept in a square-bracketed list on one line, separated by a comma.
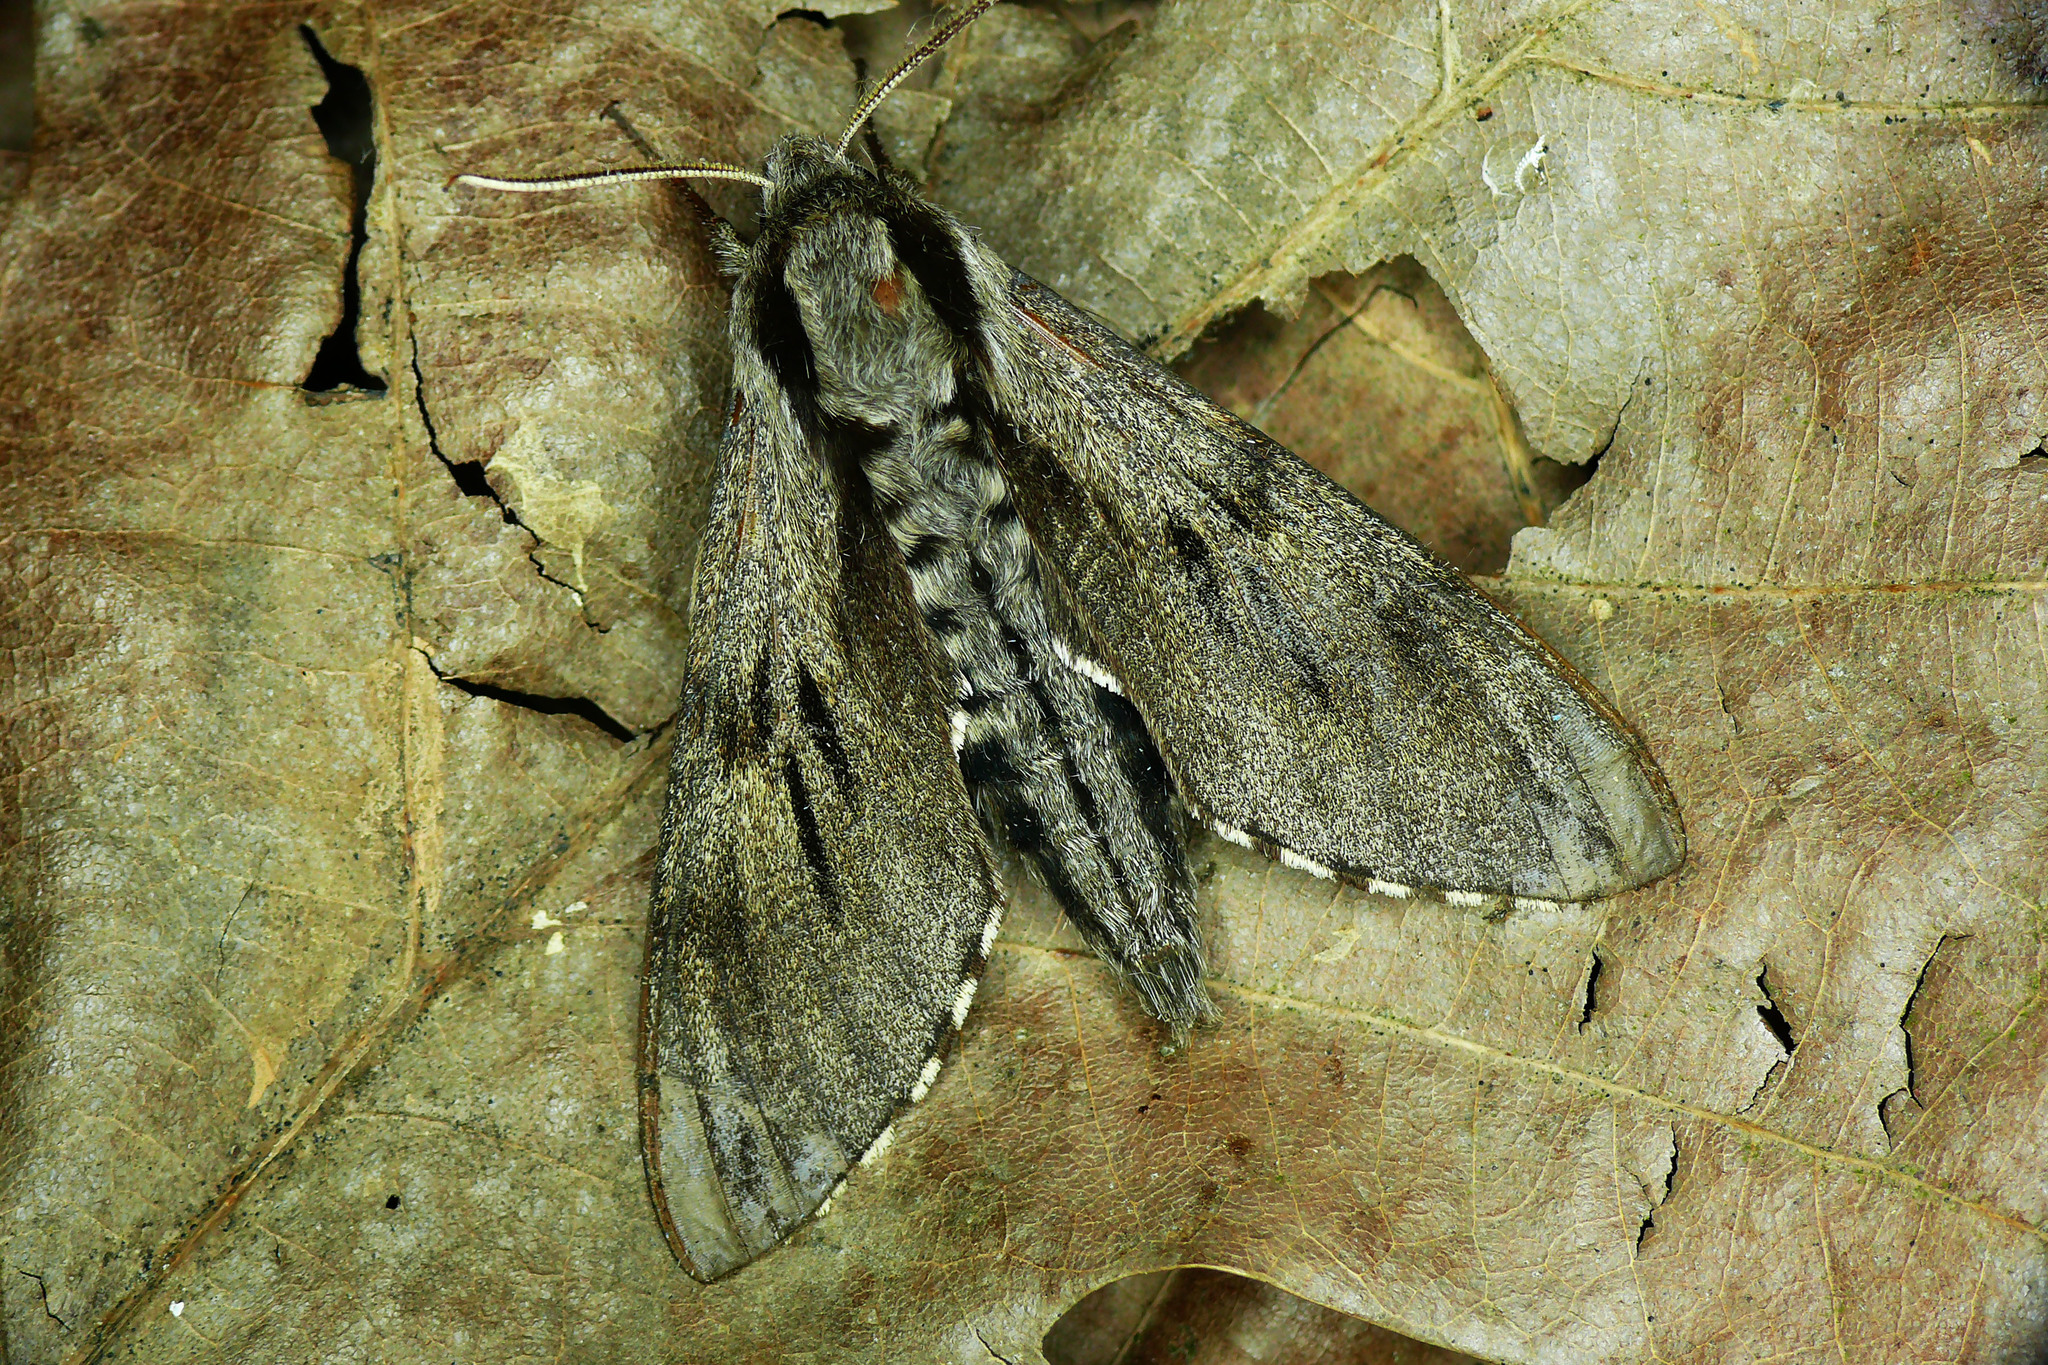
[(1321, 686), (823, 896)]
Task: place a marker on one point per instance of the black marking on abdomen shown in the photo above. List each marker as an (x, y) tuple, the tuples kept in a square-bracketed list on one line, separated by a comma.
[(1024, 829), (1142, 764), (1084, 798), (986, 763), (1023, 826)]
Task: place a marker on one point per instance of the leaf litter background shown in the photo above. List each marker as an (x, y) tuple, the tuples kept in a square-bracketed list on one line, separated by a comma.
[(326, 862)]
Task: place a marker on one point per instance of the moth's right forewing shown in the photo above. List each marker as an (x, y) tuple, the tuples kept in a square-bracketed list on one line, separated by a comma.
[(823, 890), (1317, 681)]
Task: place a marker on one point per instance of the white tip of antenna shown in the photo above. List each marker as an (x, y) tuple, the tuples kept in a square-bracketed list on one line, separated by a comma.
[(485, 182)]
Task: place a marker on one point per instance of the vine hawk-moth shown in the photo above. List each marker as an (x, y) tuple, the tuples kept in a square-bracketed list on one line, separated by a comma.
[(976, 568)]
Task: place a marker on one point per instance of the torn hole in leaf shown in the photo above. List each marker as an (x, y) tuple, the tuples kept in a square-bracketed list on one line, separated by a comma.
[(1774, 1018), (816, 61), (1906, 1016), (472, 482), (1591, 1001), (583, 708), (2035, 461), (877, 39), (1202, 1314), (1663, 1179), (1377, 383), (1898, 1112), (1031, 60), (1091, 23), (344, 118)]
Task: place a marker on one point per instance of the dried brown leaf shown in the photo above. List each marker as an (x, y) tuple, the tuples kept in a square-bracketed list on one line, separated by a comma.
[(320, 970)]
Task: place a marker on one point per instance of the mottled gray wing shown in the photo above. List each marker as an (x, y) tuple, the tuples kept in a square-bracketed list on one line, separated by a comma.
[(1321, 686), (823, 898)]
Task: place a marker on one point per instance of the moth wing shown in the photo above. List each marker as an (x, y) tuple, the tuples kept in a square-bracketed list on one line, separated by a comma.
[(823, 899), (1320, 684)]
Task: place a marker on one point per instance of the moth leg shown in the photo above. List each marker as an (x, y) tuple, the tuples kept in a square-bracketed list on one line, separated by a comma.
[(869, 138), (877, 153), (711, 218), (616, 114)]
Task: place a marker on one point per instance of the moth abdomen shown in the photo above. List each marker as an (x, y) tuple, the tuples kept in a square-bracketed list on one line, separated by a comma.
[(1070, 780), (924, 551)]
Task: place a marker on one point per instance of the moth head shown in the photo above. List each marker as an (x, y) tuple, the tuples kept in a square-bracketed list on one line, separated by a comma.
[(796, 162)]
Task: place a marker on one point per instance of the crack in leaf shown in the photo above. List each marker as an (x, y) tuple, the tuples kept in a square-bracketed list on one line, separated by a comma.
[(583, 708), (43, 1290), (1589, 1001), (1774, 1018), (473, 481)]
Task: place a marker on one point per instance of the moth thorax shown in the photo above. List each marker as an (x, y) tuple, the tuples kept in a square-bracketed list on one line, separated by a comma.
[(883, 357)]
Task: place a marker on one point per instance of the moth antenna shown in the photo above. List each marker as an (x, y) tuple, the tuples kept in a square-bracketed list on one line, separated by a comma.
[(615, 113), (925, 50), (686, 170)]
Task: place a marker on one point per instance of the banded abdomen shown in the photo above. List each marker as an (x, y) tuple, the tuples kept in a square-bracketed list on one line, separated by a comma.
[(1057, 761)]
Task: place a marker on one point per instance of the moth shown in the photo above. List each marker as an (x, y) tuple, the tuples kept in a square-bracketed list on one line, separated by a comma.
[(976, 570)]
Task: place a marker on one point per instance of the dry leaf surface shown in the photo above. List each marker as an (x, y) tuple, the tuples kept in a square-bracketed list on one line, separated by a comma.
[(322, 913)]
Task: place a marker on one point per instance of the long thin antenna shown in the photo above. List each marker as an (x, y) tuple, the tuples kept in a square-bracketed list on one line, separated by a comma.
[(874, 97), (686, 170)]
